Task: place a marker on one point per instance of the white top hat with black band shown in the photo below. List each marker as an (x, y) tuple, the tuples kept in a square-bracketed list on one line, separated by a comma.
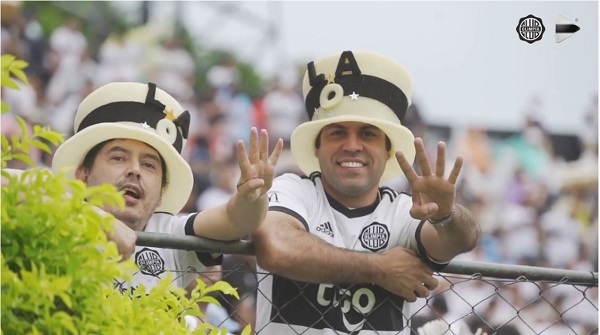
[(355, 87), (136, 111)]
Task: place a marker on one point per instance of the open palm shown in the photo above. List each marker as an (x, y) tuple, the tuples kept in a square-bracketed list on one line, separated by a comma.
[(257, 167), (433, 195)]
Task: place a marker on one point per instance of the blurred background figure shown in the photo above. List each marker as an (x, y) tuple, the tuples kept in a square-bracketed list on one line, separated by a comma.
[(68, 51), (119, 58), (173, 66), (284, 108)]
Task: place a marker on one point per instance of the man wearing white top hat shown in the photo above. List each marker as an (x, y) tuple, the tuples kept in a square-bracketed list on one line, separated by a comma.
[(345, 253), (131, 135)]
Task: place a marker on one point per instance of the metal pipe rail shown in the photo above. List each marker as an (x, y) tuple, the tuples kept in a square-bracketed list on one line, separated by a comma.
[(476, 269), (194, 243)]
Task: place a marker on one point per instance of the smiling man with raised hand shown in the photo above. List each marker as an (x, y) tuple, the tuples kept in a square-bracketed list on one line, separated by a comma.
[(338, 253), (131, 135)]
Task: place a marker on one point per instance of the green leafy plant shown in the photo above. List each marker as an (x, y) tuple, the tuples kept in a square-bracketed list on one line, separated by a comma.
[(18, 146), (57, 266)]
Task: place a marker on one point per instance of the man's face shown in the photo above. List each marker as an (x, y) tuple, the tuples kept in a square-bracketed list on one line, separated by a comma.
[(352, 157), (135, 169)]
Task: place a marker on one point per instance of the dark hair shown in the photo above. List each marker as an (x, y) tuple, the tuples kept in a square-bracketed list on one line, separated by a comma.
[(388, 143), (90, 158)]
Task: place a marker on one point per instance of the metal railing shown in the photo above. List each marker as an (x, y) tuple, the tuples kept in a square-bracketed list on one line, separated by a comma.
[(498, 298)]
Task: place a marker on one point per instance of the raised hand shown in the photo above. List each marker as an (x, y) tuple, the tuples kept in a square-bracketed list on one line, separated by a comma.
[(433, 196), (257, 167)]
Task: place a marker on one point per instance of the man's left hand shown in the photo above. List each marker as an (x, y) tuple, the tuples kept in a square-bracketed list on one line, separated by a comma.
[(433, 196)]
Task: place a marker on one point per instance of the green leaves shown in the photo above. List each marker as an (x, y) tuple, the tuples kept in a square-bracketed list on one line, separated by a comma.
[(57, 265), (12, 67), (19, 146)]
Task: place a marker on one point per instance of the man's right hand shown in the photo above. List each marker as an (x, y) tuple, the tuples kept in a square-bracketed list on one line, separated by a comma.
[(124, 237), (405, 274)]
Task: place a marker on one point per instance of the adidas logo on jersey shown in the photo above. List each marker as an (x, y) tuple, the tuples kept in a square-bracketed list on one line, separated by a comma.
[(325, 228)]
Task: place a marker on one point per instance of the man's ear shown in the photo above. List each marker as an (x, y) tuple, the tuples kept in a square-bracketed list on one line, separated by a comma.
[(81, 173)]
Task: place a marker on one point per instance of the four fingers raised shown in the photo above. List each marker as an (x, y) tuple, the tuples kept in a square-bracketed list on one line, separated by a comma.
[(257, 164), (423, 161)]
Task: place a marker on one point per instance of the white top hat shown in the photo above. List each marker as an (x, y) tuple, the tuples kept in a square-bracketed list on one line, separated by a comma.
[(355, 87), (133, 111)]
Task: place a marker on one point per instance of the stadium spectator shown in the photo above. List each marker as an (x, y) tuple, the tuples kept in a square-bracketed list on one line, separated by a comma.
[(335, 231)]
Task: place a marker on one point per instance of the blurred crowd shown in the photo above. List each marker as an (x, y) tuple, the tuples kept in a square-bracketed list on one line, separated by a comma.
[(534, 207)]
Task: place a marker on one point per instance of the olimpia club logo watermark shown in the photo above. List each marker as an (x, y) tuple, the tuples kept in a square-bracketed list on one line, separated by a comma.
[(530, 29)]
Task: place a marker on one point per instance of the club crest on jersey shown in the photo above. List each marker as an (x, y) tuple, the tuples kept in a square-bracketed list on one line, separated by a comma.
[(375, 236), (150, 262)]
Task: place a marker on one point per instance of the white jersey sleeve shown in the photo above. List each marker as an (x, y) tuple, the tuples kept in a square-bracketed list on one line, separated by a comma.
[(290, 194)]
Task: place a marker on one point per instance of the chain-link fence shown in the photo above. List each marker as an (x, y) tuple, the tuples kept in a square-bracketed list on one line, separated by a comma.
[(471, 297)]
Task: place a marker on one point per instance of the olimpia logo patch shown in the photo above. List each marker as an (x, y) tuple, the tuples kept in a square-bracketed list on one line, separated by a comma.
[(150, 262), (375, 236)]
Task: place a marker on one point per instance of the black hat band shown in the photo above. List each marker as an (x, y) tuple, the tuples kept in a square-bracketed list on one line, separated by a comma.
[(366, 86), (137, 112)]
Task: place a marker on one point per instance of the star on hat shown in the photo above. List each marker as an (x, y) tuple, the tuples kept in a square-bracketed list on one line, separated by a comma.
[(169, 114), (330, 78)]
